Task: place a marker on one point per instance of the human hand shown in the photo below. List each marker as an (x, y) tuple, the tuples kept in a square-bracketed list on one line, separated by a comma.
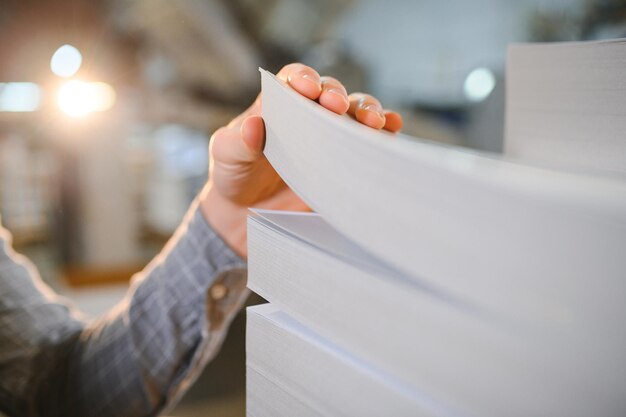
[(240, 176)]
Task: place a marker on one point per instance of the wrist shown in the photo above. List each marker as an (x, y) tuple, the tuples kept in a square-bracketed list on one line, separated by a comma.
[(226, 218)]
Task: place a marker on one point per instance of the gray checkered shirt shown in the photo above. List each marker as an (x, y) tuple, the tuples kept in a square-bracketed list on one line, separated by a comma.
[(137, 359)]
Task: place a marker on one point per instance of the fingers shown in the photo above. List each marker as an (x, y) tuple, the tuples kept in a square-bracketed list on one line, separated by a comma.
[(305, 80), (393, 121), (334, 96), (253, 134), (367, 110), (239, 145)]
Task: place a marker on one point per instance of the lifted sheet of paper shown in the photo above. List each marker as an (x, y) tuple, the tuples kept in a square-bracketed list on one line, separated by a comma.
[(524, 242)]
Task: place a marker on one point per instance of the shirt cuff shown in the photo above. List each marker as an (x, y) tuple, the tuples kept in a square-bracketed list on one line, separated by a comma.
[(225, 297), (201, 284)]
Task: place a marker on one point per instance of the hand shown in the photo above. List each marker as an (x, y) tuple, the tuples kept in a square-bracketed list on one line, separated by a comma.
[(240, 176)]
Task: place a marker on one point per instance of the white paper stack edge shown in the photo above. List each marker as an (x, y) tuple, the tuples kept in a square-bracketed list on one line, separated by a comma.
[(311, 374), (480, 284)]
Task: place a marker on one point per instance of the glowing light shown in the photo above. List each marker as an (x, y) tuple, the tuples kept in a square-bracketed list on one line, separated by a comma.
[(19, 97), (479, 84), (66, 61), (79, 98)]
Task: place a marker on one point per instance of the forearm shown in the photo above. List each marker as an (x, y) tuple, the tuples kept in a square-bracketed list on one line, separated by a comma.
[(138, 359), (37, 329), (155, 342)]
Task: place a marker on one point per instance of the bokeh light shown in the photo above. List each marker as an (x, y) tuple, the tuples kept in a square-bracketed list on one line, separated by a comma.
[(479, 84), (19, 97), (80, 98), (66, 61)]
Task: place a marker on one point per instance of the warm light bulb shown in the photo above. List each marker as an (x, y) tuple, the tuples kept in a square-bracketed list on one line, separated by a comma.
[(79, 98)]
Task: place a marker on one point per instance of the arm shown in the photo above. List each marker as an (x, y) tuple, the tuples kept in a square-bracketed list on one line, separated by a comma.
[(136, 360), (139, 358)]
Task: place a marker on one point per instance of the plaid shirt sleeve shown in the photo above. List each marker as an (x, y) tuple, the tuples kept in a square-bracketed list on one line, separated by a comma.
[(139, 358)]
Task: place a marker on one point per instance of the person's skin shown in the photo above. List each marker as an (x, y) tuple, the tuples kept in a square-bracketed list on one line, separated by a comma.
[(240, 176)]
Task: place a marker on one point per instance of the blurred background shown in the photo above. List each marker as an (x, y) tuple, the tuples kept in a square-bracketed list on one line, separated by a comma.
[(107, 106)]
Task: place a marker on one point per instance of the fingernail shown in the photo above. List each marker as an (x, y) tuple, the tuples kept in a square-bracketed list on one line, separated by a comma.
[(305, 75), (376, 109), (338, 92)]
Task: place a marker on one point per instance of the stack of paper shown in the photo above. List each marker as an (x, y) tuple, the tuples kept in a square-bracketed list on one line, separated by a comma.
[(565, 104), (434, 280), (311, 373)]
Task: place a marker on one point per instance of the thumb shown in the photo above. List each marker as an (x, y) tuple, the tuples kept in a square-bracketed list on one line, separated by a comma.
[(253, 134)]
